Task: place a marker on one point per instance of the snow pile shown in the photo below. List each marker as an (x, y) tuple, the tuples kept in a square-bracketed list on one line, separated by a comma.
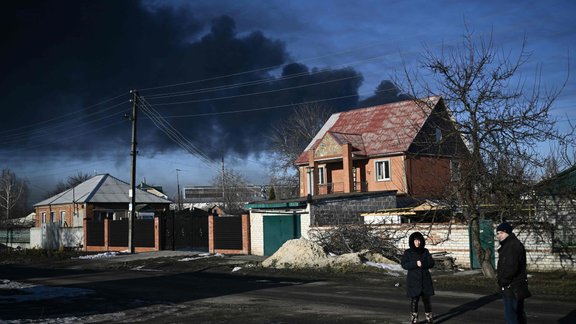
[(201, 256), (98, 256), (302, 253)]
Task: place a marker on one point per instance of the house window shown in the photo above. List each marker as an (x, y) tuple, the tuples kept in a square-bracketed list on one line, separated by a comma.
[(62, 217), (383, 170), (454, 170), (438, 135), (52, 217), (321, 175), (43, 217)]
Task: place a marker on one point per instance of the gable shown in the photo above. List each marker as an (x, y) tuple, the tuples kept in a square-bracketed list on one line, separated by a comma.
[(327, 147)]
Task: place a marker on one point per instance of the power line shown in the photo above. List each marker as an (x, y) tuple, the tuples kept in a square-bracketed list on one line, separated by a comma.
[(65, 115)]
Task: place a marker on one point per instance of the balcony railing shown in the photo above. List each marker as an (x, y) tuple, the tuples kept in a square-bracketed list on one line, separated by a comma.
[(338, 187)]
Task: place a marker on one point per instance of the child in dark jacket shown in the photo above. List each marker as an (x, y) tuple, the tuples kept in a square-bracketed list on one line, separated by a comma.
[(417, 260)]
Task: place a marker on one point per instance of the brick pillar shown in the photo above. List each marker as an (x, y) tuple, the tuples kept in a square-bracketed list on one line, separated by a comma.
[(156, 234), (347, 164), (106, 233), (85, 229), (245, 233), (312, 165), (211, 234)]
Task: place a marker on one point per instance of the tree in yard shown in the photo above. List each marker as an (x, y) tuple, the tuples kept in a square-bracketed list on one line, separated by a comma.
[(13, 194), (288, 140), (501, 119)]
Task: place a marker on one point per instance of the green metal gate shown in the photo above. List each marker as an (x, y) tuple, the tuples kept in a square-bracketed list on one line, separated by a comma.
[(486, 241), (278, 229)]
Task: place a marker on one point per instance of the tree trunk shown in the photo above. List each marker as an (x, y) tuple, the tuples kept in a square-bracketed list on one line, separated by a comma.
[(484, 256)]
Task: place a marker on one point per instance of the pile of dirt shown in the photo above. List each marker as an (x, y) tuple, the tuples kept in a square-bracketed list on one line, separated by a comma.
[(302, 253)]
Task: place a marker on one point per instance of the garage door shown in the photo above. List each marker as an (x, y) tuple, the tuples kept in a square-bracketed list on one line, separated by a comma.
[(278, 229)]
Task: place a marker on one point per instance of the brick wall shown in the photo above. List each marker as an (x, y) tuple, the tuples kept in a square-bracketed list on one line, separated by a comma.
[(347, 210), (455, 240), (257, 232)]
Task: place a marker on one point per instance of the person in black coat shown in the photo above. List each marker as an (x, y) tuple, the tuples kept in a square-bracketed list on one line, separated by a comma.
[(417, 260), (512, 275)]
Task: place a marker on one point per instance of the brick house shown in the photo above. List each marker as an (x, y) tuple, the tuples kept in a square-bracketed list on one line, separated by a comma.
[(60, 219), (409, 146), (362, 161)]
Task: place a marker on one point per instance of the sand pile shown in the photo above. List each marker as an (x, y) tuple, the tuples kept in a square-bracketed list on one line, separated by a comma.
[(302, 253), (298, 253)]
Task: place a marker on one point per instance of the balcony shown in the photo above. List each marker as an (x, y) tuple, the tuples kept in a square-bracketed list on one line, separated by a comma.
[(338, 187)]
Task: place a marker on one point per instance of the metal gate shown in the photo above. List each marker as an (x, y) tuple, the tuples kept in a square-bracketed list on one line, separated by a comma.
[(486, 242), (278, 229), (185, 230)]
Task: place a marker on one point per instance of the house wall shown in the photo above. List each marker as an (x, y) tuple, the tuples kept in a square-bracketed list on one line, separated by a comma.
[(428, 176), (68, 208), (418, 176), (397, 175), (347, 209)]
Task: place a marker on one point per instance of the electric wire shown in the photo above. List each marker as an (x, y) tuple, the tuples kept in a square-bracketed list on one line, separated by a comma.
[(172, 132)]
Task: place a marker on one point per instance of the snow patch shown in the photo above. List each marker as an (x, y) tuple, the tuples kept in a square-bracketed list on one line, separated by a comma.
[(28, 292)]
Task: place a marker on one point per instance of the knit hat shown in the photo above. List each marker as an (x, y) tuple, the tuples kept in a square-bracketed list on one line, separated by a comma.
[(504, 227)]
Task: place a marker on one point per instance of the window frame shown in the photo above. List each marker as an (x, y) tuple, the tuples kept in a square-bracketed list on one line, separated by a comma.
[(321, 175), (454, 170), (386, 170), (62, 217)]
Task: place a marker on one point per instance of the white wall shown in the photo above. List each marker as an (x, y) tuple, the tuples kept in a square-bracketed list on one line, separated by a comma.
[(52, 236), (455, 240), (257, 228)]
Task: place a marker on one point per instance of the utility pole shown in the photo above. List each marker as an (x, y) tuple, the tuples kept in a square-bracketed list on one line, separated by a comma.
[(178, 187), (132, 193), (223, 184)]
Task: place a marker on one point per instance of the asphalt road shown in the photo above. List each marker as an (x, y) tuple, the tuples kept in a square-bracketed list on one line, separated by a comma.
[(202, 296)]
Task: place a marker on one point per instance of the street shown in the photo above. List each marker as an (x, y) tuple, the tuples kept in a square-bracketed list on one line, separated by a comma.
[(210, 297)]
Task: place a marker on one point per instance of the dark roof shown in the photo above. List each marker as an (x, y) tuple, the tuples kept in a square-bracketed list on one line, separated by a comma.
[(562, 183), (377, 130)]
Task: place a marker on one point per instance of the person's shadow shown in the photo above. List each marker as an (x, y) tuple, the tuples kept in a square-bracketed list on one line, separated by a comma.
[(473, 305)]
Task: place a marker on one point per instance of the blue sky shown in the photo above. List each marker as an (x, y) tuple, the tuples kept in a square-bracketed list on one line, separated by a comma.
[(65, 60)]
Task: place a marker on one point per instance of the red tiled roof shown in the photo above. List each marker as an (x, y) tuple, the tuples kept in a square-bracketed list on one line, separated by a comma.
[(377, 130)]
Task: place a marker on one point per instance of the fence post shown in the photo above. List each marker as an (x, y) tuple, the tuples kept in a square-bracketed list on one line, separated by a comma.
[(156, 233), (246, 233), (211, 233), (85, 238), (106, 233)]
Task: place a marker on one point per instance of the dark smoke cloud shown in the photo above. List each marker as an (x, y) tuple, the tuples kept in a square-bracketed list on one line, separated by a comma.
[(59, 57)]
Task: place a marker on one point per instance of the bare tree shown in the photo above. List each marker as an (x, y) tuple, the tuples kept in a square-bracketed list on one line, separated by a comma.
[(71, 182), (501, 119), (235, 191), (13, 193), (288, 140)]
